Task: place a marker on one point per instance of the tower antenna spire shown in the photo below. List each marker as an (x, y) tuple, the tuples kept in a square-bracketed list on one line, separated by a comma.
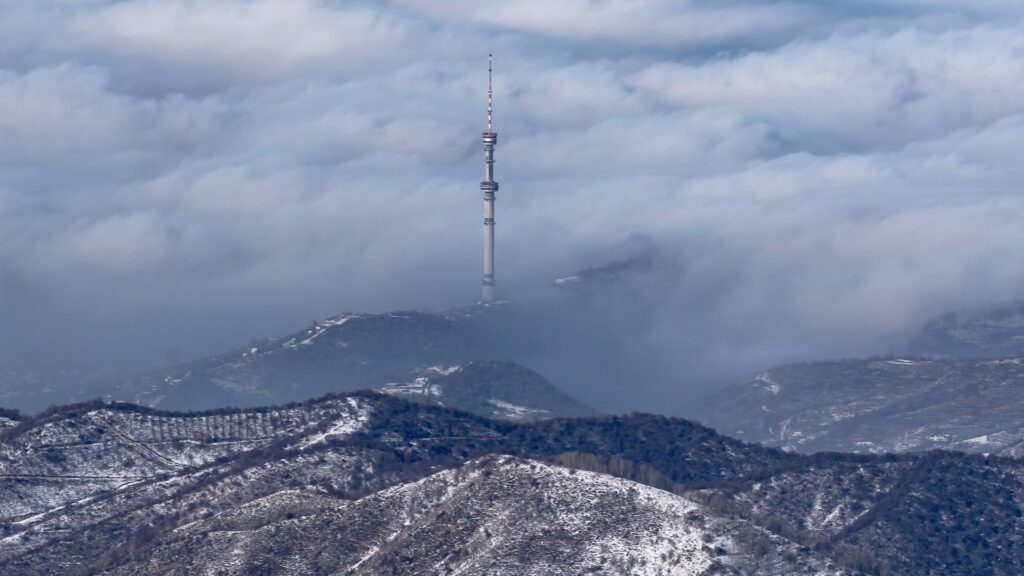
[(489, 187), (490, 94)]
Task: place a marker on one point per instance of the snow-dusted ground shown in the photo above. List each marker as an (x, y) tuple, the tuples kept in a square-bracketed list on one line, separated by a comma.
[(321, 327), (493, 389), (878, 405), (347, 423), (422, 385), (81, 454), (444, 370), (828, 499), (770, 385), (510, 411), (240, 373), (399, 495), (903, 362), (492, 516)]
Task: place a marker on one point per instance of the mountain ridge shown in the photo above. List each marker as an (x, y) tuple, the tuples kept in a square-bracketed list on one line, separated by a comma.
[(880, 404), (816, 514)]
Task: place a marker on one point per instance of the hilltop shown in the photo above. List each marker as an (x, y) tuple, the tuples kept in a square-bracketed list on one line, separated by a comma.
[(879, 405), (401, 487)]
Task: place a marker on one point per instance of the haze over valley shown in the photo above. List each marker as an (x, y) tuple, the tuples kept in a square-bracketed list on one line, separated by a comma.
[(820, 181), (748, 299)]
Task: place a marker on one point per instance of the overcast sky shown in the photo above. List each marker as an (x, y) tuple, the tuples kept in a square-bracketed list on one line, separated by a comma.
[(180, 175)]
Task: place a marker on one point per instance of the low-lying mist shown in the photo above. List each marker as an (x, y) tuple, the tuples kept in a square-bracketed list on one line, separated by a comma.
[(811, 180)]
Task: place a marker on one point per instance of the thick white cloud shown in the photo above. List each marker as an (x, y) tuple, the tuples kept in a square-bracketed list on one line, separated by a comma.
[(826, 176), (861, 92), (633, 22)]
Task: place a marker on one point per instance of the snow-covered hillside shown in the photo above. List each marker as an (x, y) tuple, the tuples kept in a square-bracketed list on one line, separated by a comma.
[(418, 355), (493, 389), (342, 353), (373, 484), (491, 516), (995, 332), (75, 452), (878, 405)]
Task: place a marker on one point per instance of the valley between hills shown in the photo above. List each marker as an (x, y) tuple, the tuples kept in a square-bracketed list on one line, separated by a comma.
[(418, 456)]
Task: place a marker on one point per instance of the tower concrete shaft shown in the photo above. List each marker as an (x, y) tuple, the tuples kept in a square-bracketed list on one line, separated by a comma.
[(489, 187)]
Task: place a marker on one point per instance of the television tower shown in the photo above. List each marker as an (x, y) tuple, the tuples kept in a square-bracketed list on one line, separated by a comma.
[(489, 187)]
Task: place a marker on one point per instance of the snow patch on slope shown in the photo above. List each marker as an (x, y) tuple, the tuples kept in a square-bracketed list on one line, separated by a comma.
[(422, 385), (354, 420), (444, 370), (978, 440), (768, 383), (419, 387), (511, 411), (321, 327), (902, 362)]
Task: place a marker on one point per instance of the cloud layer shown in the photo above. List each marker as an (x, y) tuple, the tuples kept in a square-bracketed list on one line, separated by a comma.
[(178, 175)]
